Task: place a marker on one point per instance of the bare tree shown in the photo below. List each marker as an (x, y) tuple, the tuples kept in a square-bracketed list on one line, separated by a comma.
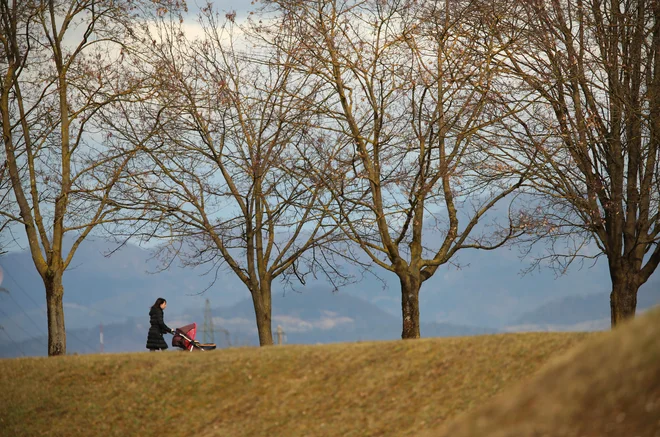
[(227, 183), (410, 96), (594, 132), (61, 62), (5, 200)]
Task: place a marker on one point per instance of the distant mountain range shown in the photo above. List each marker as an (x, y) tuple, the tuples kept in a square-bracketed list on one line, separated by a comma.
[(312, 317), (487, 294), (586, 312)]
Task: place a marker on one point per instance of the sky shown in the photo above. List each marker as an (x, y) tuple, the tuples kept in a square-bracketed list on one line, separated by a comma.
[(451, 282)]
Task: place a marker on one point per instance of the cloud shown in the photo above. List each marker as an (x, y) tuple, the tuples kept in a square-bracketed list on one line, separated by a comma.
[(234, 323), (75, 306), (328, 320)]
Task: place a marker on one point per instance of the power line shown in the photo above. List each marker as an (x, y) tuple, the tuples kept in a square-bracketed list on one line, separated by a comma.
[(84, 343), (31, 336), (27, 315), (40, 339), (13, 342), (21, 288), (9, 337)]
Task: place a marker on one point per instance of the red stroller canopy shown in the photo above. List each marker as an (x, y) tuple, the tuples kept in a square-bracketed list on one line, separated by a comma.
[(184, 338), (189, 331)]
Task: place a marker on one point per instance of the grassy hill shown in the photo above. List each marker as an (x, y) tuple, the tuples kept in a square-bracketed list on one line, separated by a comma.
[(610, 386), (393, 388)]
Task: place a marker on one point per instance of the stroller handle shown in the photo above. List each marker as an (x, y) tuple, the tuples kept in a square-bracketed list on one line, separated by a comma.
[(177, 332)]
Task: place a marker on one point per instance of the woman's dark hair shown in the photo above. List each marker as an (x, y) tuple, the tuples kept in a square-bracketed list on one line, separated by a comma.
[(158, 303)]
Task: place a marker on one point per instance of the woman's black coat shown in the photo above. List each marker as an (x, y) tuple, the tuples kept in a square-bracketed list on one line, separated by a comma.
[(158, 327)]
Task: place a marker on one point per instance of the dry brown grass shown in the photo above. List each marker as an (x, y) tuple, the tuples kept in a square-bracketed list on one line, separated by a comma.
[(609, 386), (392, 388)]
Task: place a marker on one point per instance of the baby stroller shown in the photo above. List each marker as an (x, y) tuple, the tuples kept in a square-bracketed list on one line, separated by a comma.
[(184, 338)]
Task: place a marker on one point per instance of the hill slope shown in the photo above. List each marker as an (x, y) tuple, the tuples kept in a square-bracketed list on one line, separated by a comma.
[(608, 387), (356, 389)]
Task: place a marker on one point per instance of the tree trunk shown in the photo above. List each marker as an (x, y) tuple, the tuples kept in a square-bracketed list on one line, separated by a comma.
[(262, 310), (410, 306), (55, 310), (623, 299)]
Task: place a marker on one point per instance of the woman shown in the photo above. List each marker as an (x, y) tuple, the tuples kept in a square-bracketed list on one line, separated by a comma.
[(155, 340)]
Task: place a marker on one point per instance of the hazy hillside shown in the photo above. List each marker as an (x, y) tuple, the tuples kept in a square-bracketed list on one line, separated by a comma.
[(313, 317), (580, 310), (102, 289), (486, 291), (321, 316), (485, 295)]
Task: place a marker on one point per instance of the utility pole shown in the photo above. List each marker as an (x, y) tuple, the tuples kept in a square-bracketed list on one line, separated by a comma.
[(3, 290), (207, 327), (280, 334)]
